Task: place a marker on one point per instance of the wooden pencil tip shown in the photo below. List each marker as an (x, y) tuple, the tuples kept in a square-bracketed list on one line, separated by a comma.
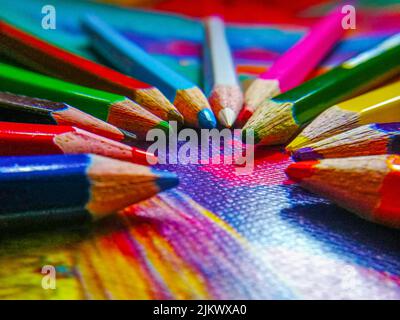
[(166, 180), (227, 117), (301, 170), (299, 142), (304, 154)]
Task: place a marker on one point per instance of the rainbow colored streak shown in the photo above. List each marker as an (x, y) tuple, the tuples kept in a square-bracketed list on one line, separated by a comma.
[(143, 253)]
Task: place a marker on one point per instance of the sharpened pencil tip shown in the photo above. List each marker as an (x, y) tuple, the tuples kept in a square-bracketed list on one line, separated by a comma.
[(227, 117), (206, 119), (306, 153), (166, 180), (301, 170), (164, 126), (129, 137), (175, 115), (145, 158), (297, 143)]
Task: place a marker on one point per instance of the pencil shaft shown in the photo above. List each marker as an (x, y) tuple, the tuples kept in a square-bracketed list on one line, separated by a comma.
[(294, 65), (349, 79), (220, 62), (128, 57), (60, 184), (54, 61), (39, 139), (95, 102), (380, 105), (106, 106), (16, 108)]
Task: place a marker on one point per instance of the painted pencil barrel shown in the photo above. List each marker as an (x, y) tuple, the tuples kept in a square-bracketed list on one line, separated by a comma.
[(54, 61), (110, 107), (37, 139), (276, 120), (79, 187)]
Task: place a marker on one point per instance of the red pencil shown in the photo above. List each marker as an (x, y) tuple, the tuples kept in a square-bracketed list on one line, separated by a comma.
[(52, 60), (18, 139), (368, 186)]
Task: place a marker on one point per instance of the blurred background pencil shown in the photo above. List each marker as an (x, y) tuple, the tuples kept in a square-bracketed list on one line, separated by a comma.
[(371, 139), (220, 78), (68, 189), (276, 120), (380, 105), (17, 108), (295, 64), (115, 109), (128, 57), (368, 186), (39, 139), (54, 61)]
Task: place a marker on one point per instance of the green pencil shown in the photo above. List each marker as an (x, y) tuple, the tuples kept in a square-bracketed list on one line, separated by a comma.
[(115, 109), (277, 120)]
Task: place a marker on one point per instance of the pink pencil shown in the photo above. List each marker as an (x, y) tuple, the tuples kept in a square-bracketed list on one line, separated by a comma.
[(293, 66)]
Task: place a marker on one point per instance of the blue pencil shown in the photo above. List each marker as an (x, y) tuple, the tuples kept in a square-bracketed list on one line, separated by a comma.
[(129, 58), (72, 188)]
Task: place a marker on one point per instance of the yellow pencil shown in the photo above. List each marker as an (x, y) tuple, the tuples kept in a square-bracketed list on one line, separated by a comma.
[(378, 106)]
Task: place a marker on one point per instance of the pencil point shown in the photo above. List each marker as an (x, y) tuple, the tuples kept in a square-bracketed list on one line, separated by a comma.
[(164, 126), (129, 137), (206, 119), (166, 180), (174, 115), (147, 158), (227, 117), (297, 143), (301, 170), (306, 153)]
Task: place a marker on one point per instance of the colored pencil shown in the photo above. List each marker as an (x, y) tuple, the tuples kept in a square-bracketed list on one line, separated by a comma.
[(54, 61), (77, 187), (128, 57), (115, 109), (370, 139), (221, 82), (23, 139), (380, 105), (368, 186), (16, 108), (276, 120), (293, 66)]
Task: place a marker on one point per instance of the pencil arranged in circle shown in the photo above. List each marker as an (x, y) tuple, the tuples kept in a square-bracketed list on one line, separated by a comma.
[(221, 82), (367, 186), (276, 120), (370, 139), (295, 64), (115, 109), (380, 105), (23, 139), (73, 188), (54, 61), (128, 57), (17, 108)]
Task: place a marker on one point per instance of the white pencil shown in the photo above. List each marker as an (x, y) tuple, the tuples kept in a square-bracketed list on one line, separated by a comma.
[(221, 82)]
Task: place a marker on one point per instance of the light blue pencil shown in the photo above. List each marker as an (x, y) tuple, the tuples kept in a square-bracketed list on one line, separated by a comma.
[(129, 58)]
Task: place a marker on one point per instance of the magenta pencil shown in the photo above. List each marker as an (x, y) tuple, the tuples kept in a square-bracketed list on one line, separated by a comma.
[(293, 66)]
